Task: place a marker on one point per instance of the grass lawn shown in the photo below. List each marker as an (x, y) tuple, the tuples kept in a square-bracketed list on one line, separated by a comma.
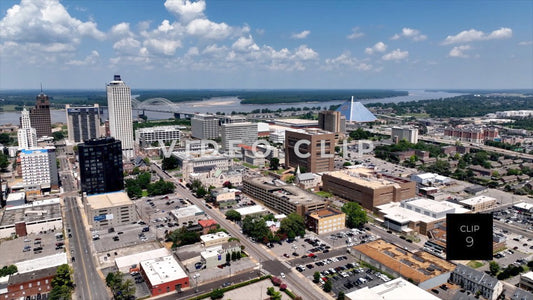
[(250, 166), (145, 193), (474, 264), (324, 194)]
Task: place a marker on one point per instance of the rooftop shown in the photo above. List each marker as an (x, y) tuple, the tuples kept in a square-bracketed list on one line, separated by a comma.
[(32, 212), (287, 192), (207, 223), (248, 210), (420, 265), (214, 236), (477, 200), (40, 263), (133, 259), (296, 122), (396, 289), (367, 177), (324, 213), (162, 269), (356, 112), (188, 211), (436, 206), (476, 276), (107, 200), (524, 205), (21, 278)]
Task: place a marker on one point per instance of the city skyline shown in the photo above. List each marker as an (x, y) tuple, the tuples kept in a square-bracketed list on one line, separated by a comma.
[(179, 44)]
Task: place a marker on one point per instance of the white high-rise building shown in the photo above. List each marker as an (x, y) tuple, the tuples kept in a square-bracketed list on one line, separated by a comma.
[(27, 136), (404, 133), (120, 119), (39, 166), (238, 133), (204, 126)]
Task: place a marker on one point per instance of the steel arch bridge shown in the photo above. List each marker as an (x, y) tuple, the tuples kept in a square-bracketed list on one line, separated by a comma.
[(155, 104)]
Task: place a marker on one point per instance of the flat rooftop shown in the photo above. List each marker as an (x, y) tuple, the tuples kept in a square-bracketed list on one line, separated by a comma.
[(188, 211), (367, 177), (477, 200), (420, 265), (45, 262), (32, 212), (326, 212), (162, 269), (402, 215), (129, 260), (436, 206), (248, 210), (287, 192), (107, 200), (214, 236), (297, 122), (395, 289)]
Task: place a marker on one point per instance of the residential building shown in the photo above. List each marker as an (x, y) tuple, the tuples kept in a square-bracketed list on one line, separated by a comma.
[(281, 197), (395, 289), (146, 137), (479, 203), (120, 115), (234, 134), (404, 133), (311, 150), (520, 294), (40, 116), (477, 282), (526, 281), (39, 166), (109, 209), (27, 135), (164, 275), (83, 123), (368, 187), (188, 215), (472, 134), (204, 127), (101, 168), (326, 220), (209, 240), (216, 255), (332, 121)]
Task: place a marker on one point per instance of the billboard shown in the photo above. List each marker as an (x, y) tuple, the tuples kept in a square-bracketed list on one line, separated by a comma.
[(100, 218)]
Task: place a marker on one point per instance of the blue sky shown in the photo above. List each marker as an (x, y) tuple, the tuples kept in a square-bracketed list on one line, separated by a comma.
[(177, 44)]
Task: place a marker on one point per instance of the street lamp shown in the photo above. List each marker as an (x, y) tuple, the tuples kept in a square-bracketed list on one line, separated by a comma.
[(195, 277)]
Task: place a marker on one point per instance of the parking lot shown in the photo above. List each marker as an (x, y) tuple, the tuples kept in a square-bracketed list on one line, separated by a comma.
[(514, 217), (30, 247), (122, 236)]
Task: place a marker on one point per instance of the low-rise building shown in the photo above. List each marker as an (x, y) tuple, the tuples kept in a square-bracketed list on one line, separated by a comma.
[(188, 215), (31, 218), (209, 240), (254, 210), (16, 199), (398, 288), (216, 255), (164, 275), (217, 177), (479, 203), (477, 282), (109, 209), (430, 179), (520, 294), (326, 220), (208, 225), (307, 181), (224, 196), (125, 263), (526, 281)]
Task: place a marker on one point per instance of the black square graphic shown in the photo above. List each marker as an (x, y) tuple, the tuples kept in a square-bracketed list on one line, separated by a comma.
[(468, 236)]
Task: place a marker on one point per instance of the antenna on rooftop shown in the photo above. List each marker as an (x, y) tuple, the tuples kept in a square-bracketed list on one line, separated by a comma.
[(41, 87)]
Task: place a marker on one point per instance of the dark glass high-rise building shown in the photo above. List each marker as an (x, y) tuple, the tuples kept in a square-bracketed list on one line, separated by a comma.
[(40, 116), (101, 169)]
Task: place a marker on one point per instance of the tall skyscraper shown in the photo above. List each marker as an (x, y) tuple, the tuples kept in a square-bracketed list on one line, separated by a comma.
[(101, 169), (83, 123), (332, 121), (39, 166), (27, 135), (40, 116), (120, 119), (204, 126)]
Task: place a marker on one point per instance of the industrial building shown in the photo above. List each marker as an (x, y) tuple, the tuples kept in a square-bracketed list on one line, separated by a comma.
[(312, 150), (368, 187), (281, 197), (110, 209)]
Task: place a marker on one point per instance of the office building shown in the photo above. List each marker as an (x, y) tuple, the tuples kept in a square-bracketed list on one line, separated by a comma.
[(332, 121), (83, 123), (39, 167), (312, 150), (326, 220), (120, 118), (216, 255), (110, 209), (204, 127), (27, 135), (404, 133), (101, 169), (368, 187), (212, 239), (479, 203), (164, 275), (228, 119), (476, 281), (281, 197), (40, 116), (234, 134), (147, 137), (396, 289)]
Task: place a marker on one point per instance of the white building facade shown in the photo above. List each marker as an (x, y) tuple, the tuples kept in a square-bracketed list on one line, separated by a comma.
[(39, 167), (120, 118), (147, 136), (204, 126), (27, 136), (238, 133)]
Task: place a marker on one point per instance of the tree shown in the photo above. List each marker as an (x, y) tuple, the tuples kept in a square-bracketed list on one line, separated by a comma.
[(182, 237), (316, 277), (62, 284), (5, 139), (355, 214), (233, 215), (327, 286), (217, 294), (341, 296), (293, 225), (58, 135), (122, 289), (256, 228), (59, 293), (494, 268), (160, 187), (347, 164), (8, 270), (4, 162), (169, 163), (274, 163)]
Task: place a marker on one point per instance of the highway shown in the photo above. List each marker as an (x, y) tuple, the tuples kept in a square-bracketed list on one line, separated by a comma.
[(268, 262)]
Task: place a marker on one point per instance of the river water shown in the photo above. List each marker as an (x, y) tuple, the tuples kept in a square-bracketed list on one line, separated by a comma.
[(229, 104)]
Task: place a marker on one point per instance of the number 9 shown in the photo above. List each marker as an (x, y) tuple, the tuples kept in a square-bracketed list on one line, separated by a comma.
[(469, 241)]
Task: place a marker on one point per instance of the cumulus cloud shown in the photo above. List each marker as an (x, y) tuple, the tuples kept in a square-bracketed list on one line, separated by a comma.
[(301, 35), (396, 55), (186, 10), (91, 59), (345, 60), (459, 51), (245, 44), (409, 33), (121, 30), (210, 30), (162, 46), (472, 35), (378, 47), (355, 34)]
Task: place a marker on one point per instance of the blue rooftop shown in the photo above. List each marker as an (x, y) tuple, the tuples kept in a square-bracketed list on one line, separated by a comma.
[(357, 113)]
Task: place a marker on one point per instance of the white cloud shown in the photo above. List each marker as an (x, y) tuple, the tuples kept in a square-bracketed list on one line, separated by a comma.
[(476, 35), (525, 43), (409, 33), (245, 44), (355, 34), (396, 55), (204, 28), (378, 47), (345, 60), (121, 30), (459, 51), (91, 59), (162, 46), (305, 53), (127, 46), (301, 35), (186, 10)]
